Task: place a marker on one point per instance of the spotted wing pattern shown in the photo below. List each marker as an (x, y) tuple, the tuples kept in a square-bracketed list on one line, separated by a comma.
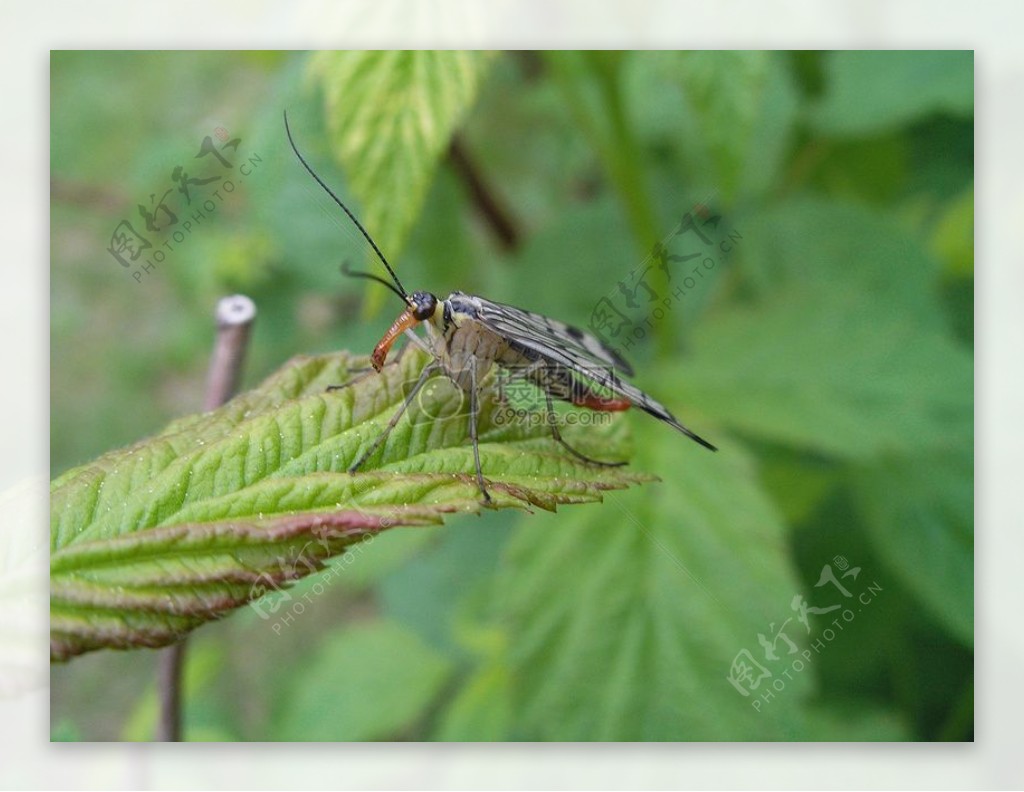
[(543, 330), (542, 338)]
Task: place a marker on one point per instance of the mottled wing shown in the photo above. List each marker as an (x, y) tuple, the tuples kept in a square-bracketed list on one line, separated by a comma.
[(543, 330), (541, 337)]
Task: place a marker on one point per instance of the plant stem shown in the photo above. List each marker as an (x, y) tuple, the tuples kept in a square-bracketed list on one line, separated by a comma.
[(234, 316), (622, 154), (608, 128), (168, 681), (487, 202)]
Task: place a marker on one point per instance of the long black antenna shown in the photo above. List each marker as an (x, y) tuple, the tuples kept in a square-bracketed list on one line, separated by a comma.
[(346, 270), (401, 289)]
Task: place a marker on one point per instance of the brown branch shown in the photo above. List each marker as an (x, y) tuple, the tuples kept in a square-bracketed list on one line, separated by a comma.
[(235, 316), (85, 194), (168, 683), (487, 202)]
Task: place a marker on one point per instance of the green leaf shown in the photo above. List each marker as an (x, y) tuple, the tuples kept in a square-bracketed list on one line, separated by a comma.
[(797, 483), (392, 115), (846, 350), (482, 709), (873, 171), (874, 91), (728, 115), (724, 89), (430, 592), (851, 364), (366, 683), (832, 247), (150, 541), (623, 625), (920, 516)]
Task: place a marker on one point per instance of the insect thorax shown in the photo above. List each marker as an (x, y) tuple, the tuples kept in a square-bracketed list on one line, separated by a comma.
[(463, 345)]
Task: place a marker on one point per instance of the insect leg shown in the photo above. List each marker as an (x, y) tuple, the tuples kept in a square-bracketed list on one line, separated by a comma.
[(361, 374), (558, 436), (366, 371), (474, 414), (429, 369)]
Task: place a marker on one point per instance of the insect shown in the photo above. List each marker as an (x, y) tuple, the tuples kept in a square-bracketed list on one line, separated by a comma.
[(468, 335)]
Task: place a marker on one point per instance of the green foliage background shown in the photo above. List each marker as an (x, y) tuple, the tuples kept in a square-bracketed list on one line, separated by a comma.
[(829, 355)]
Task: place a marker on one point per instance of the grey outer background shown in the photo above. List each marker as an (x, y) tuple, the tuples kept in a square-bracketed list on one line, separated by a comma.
[(28, 760)]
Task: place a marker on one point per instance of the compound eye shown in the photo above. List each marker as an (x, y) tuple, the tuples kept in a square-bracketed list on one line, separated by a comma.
[(425, 305)]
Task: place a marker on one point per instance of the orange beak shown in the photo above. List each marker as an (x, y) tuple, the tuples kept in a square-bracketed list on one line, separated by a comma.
[(404, 322)]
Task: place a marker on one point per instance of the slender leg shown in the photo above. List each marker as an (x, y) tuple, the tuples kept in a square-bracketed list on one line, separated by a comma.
[(474, 414), (429, 369), (558, 436), (363, 373)]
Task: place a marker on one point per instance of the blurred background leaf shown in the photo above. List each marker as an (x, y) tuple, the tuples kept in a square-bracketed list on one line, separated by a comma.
[(369, 682), (668, 586), (869, 92), (827, 349), (865, 383), (919, 513)]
